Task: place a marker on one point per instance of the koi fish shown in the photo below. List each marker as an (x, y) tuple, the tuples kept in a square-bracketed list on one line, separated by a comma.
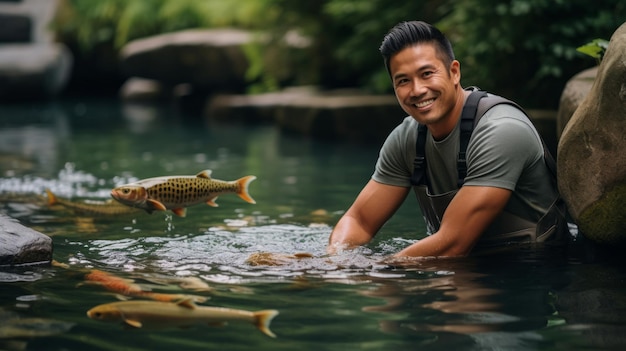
[(95, 208), (154, 314), (127, 287), (175, 193)]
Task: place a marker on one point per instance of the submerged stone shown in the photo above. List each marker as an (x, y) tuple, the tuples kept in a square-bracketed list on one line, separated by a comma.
[(20, 245)]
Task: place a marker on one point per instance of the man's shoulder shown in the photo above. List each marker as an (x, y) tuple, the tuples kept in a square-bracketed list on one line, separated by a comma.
[(405, 128)]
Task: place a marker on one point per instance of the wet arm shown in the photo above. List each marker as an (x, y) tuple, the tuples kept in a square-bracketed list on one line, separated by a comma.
[(372, 208), (466, 218)]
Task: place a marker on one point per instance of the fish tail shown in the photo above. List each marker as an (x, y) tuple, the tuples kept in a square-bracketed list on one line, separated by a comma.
[(263, 320), (51, 198), (243, 183)]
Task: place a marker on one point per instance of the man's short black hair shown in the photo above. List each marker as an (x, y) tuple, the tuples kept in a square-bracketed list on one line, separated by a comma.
[(410, 33)]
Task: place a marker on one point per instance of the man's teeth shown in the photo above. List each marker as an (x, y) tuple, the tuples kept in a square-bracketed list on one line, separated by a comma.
[(424, 103)]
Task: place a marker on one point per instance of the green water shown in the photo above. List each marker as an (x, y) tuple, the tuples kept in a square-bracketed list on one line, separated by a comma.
[(526, 300)]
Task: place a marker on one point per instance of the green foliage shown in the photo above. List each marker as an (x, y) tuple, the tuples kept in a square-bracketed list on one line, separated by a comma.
[(521, 49), (595, 48), (89, 23), (347, 36), (526, 49)]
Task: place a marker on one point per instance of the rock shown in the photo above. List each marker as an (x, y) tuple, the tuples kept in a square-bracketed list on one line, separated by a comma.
[(15, 28), (573, 94), (591, 162), (33, 70), (350, 116), (20, 245), (32, 66), (140, 89), (211, 59)]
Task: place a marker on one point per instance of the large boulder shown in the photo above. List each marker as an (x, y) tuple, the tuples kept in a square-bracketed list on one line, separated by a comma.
[(32, 65), (591, 162), (573, 94), (33, 70), (21, 245), (211, 59), (331, 115)]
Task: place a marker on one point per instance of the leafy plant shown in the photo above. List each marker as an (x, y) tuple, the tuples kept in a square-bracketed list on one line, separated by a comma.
[(595, 48)]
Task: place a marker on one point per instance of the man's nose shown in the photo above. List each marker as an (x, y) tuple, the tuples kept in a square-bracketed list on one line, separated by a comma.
[(418, 88)]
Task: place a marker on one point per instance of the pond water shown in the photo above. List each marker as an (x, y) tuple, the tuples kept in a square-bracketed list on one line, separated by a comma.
[(531, 299)]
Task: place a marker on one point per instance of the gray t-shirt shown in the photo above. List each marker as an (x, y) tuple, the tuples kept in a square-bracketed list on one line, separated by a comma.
[(504, 151)]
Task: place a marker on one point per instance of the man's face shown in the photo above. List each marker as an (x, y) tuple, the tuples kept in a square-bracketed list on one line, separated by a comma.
[(425, 88)]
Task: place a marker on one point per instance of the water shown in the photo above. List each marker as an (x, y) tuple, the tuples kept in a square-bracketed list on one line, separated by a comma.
[(551, 299)]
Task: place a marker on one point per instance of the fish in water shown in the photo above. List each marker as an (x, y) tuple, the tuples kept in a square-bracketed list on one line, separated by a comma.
[(176, 193), (127, 287), (110, 207), (274, 259), (184, 313)]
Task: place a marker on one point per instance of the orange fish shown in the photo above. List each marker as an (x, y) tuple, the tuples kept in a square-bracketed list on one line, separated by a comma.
[(127, 287), (176, 193)]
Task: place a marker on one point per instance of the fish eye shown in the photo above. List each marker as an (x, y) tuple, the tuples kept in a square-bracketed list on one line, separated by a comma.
[(125, 191), (97, 314)]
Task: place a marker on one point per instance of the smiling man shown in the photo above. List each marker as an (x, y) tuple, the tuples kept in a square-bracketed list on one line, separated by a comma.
[(480, 185)]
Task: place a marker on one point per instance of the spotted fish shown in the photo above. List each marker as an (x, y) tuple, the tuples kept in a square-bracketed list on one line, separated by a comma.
[(176, 193)]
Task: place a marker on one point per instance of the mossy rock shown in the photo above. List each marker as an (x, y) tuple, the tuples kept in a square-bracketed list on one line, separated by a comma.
[(605, 220)]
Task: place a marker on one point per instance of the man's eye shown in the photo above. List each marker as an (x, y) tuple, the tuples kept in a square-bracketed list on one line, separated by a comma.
[(401, 81)]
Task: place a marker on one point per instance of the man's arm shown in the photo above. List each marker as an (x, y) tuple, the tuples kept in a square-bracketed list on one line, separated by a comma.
[(372, 208), (466, 218)]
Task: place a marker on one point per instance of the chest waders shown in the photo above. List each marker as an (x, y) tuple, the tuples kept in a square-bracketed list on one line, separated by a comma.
[(507, 228)]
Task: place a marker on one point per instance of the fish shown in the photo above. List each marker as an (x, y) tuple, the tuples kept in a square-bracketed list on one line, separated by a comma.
[(110, 207), (274, 259), (184, 313), (186, 283), (176, 193), (127, 287)]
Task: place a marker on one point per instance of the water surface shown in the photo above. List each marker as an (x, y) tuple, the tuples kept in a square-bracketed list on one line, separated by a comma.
[(531, 299)]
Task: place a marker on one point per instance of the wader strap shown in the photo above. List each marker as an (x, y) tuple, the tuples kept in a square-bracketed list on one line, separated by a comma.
[(419, 163), (468, 117)]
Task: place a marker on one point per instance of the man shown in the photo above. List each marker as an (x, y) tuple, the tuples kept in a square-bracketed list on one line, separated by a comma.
[(508, 194)]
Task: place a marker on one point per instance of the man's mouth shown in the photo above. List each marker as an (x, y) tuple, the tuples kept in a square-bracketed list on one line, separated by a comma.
[(424, 103)]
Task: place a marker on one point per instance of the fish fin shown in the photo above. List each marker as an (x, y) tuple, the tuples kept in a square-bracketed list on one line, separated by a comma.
[(186, 302), (243, 188), (263, 320), (211, 202), (122, 297), (155, 205), (205, 174), (51, 198), (181, 212), (132, 322)]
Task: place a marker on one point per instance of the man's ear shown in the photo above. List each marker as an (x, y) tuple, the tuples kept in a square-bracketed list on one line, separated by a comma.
[(455, 72)]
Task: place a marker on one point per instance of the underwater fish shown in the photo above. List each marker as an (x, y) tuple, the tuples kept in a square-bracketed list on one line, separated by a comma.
[(176, 193), (154, 314), (110, 207), (187, 283), (127, 287), (274, 259)]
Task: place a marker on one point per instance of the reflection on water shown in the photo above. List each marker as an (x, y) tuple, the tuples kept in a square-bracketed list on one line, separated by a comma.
[(265, 256)]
